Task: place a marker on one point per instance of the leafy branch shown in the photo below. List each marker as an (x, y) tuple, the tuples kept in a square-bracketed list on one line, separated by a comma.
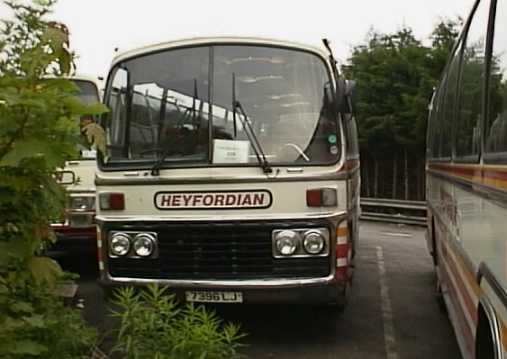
[(38, 133)]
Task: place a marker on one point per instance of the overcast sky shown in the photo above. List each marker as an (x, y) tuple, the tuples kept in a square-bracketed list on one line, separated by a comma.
[(99, 26)]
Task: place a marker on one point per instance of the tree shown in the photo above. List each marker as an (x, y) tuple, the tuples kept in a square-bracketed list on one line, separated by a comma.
[(38, 132), (395, 76)]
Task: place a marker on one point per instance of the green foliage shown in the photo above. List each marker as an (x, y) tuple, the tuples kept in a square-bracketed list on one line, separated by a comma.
[(34, 324), (38, 132), (396, 74), (152, 325), (394, 87), (442, 41)]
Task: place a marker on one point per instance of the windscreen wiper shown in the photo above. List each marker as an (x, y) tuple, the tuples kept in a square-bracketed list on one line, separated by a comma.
[(193, 110), (247, 127), (155, 170)]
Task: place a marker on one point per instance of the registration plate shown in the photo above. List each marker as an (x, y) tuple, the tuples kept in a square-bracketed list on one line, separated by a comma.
[(214, 297)]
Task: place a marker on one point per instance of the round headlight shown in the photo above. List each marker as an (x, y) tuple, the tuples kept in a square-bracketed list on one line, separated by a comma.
[(120, 244), (314, 242), (287, 242), (144, 244)]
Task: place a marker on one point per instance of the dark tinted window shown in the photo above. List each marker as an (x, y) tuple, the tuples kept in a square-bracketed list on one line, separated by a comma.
[(88, 92), (352, 141), (496, 127), (471, 86), (439, 134), (432, 148), (448, 108)]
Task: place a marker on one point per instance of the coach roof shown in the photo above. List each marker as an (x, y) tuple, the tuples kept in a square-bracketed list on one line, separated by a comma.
[(216, 41)]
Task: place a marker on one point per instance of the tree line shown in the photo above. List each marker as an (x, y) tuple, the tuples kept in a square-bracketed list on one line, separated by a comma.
[(396, 74)]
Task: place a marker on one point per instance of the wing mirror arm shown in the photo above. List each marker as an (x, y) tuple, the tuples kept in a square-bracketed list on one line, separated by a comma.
[(346, 96)]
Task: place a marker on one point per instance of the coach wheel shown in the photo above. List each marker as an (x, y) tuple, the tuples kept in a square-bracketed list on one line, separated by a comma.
[(433, 243), (343, 298), (440, 298), (484, 343)]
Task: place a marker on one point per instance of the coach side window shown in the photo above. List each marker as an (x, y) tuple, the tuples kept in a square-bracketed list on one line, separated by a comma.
[(472, 87), (433, 127), (439, 118), (117, 102), (496, 126), (449, 107)]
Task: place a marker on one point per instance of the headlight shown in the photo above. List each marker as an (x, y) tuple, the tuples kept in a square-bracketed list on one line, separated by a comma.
[(144, 244), (286, 242), (314, 242), (300, 242), (81, 203), (120, 244)]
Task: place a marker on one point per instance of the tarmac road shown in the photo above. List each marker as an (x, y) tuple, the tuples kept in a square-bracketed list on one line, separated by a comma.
[(392, 313)]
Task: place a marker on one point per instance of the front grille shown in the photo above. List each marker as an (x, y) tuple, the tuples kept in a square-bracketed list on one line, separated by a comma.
[(234, 250)]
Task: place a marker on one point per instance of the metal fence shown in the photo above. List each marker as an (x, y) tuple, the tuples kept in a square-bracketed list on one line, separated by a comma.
[(394, 211)]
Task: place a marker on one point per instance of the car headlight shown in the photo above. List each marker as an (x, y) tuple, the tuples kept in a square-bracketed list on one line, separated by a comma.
[(81, 202), (120, 244), (314, 242), (144, 244), (286, 242)]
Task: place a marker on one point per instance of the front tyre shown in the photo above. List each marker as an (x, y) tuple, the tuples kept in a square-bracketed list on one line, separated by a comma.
[(338, 305)]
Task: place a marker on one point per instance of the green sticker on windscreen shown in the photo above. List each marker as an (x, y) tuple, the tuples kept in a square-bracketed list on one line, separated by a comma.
[(332, 139)]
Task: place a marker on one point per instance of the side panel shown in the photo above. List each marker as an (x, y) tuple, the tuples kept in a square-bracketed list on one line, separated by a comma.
[(455, 274), (470, 232)]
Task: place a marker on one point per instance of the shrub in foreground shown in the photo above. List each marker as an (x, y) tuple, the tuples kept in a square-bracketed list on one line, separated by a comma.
[(152, 325)]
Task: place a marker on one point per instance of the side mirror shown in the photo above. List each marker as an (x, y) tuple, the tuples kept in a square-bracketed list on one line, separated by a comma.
[(328, 95), (347, 98)]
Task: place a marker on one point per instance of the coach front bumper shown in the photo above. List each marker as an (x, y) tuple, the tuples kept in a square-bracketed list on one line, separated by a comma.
[(311, 291)]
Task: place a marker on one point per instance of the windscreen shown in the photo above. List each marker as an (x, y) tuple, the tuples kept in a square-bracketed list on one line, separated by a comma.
[(210, 105), (87, 91), (88, 94)]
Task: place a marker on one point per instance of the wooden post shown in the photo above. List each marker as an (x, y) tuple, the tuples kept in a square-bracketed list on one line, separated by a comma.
[(395, 179), (406, 174), (375, 174)]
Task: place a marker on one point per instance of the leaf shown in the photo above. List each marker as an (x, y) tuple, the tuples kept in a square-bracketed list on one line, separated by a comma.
[(42, 2), (3, 289), (96, 109), (12, 249), (21, 307), (35, 321), (57, 36), (29, 347), (22, 150), (65, 60), (77, 107), (44, 270)]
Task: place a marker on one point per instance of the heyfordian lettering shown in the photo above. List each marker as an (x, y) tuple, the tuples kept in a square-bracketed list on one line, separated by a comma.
[(210, 200)]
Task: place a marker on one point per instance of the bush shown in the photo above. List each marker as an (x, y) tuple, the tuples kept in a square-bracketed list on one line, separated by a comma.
[(35, 324), (153, 326), (38, 132)]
